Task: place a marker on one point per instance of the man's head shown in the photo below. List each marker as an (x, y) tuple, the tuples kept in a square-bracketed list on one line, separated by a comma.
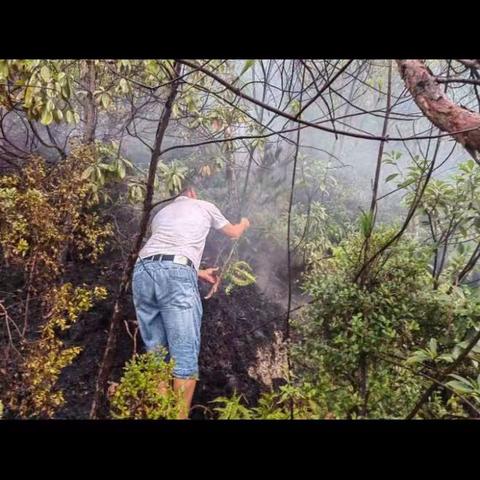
[(189, 190)]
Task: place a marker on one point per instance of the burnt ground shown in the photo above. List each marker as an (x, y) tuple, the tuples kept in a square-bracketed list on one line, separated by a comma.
[(235, 355), (241, 343)]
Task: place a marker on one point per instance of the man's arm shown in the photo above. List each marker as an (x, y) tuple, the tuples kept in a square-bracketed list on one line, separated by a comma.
[(219, 222), (236, 230)]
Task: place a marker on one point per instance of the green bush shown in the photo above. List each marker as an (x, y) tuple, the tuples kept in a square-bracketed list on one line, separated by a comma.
[(272, 405), (354, 338), (145, 390)]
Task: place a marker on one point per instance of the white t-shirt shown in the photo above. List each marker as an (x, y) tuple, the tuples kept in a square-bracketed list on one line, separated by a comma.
[(181, 228)]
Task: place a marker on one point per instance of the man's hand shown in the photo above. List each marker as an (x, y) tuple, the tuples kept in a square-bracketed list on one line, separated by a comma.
[(236, 231), (208, 275), (245, 222)]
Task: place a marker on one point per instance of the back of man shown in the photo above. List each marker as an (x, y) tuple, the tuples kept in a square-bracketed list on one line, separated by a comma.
[(181, 228), (165, 283)]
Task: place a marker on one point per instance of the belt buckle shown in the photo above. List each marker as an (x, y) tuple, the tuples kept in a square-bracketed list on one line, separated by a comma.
[(180, 259)]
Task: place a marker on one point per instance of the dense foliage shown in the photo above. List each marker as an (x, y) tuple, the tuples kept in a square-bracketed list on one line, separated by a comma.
[(355, 338)]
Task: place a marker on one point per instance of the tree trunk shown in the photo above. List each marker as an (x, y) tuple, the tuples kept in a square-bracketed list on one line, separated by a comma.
[(116, 319), (89, 106), (373, 204), (438, 108)]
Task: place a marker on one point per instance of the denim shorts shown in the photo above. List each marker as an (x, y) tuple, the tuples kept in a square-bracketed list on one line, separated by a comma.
[(169, 312)]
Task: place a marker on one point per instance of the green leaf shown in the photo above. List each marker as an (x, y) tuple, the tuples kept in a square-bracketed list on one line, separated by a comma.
[(47, 117), (27, 100), (106, 100), (152, 67), (121, 170), (3, 69), (123, 85), (58, 114), (107, 167), (87, 173), (417, 357), (66, 91), (446, 357), (459, 386), (366, 223), (391, 177), (405, 184), (45, 73), (247, 66), (458, 377), (127, 162)]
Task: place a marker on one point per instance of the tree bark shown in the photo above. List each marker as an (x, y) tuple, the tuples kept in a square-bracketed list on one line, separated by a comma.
[(116, 320), (89, 107), (437, 106), (388, 109)]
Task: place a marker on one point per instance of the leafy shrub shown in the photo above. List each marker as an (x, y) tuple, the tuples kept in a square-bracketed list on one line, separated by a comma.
[(32, 391), (145, 390), (466, 386), (272, 405), (45, 212), (353, 339), (42, 211)]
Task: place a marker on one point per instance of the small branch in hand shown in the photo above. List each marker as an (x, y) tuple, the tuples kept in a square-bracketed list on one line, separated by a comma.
[(215, 286)]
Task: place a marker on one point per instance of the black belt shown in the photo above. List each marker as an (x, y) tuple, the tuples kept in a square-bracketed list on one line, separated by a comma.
[(162, 258)]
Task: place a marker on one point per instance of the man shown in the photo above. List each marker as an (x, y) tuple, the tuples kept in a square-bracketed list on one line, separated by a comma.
[(165, 287)]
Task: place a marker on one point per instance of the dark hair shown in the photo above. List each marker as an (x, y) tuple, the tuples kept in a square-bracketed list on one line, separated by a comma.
[(188, 184)]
